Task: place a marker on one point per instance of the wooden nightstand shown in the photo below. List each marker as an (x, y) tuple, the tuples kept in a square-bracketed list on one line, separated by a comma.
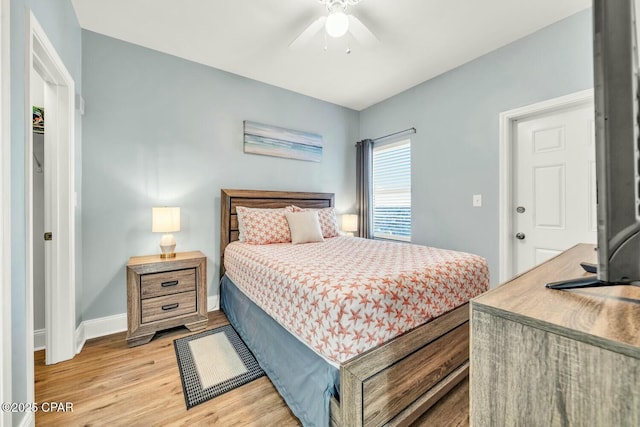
[(165, 293)]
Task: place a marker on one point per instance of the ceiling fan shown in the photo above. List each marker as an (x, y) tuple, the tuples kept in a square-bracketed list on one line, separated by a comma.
[(336, 24)]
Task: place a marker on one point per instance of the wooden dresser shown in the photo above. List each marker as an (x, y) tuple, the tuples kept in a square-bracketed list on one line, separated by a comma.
[(542, 357), (164, 293)]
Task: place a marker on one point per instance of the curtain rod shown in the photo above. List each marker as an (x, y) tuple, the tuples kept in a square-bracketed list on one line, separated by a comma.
[(408, 131)]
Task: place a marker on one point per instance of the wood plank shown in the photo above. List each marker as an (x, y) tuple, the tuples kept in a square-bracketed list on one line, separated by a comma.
[(522, 374), (138, 263), (168, 306), (266, 194), (395, 388), (225, 226), (133, 302), (414, 411), (608, 316), (158, 284), (452, 410), (335, 413), (351, 395), (278, 203)]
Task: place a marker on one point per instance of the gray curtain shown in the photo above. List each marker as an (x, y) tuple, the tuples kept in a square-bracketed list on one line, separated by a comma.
[(364, 195)]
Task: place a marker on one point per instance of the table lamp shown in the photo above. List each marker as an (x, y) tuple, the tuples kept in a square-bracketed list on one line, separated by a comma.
[(166, 220), (350, 224)]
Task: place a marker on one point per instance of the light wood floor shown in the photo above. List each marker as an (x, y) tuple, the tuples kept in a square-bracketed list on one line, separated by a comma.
[(111, 384)]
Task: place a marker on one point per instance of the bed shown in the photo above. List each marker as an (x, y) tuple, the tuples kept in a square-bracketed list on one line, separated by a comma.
[(390, 378)]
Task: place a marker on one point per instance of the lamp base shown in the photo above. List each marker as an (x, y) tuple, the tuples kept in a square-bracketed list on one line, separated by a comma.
[(168, 255), (167, 245)]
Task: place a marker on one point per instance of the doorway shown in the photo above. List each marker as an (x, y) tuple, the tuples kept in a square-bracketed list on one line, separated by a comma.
[(38, 203), (547, 199), (59, 209), (554, 184)]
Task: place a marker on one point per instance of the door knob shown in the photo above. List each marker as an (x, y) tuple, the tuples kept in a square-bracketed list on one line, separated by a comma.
[(520, 236)]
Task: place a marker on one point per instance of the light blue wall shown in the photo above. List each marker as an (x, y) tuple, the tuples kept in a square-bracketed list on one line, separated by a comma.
[(455, 151), (159, 130), (59, 22)]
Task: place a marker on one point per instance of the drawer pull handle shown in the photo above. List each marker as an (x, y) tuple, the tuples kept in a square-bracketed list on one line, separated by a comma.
[(170, 306), (167, 284)]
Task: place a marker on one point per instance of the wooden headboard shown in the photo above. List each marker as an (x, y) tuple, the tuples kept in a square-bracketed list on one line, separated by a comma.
[(230, 199)]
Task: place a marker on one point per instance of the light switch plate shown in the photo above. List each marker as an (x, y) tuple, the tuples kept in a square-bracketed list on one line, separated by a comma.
[(477, 200)]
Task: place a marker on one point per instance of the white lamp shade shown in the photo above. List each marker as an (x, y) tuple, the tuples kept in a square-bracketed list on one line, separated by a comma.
[(337, 24), (350, 222), (165, 220)]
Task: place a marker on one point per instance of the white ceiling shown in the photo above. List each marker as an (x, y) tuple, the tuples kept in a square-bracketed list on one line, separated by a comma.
[(419, 39)]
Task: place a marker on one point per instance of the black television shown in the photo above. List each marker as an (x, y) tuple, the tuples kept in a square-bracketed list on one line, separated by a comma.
[(615, 59)]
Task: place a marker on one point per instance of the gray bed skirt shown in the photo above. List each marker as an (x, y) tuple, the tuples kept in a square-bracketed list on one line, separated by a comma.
[(305, 380)]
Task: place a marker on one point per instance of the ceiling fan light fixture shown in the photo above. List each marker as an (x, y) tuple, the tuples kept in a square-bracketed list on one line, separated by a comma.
[(337, 24)]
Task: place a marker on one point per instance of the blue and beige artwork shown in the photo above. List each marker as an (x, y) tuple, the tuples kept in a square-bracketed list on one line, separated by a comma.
[(279, 142)]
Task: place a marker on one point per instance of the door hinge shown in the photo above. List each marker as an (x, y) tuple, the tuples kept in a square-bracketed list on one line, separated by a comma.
[(48, 235)]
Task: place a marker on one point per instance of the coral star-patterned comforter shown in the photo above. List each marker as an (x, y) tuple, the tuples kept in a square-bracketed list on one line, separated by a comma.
[(346, 295)]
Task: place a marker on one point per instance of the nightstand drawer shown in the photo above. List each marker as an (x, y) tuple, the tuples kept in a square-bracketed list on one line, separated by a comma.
[(170, 282), (168, 306)]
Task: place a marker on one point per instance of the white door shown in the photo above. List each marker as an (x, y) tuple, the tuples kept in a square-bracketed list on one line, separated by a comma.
[(555, 188)]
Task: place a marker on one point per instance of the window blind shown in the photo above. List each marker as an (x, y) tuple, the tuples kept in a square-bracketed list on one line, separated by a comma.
[(392, 190)]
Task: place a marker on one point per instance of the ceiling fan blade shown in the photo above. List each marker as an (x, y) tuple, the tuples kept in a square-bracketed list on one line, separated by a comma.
[(306, 36), (361, 33)]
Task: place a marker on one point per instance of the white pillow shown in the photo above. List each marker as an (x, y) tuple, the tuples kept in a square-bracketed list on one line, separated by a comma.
[(304, 226), (328, 220)]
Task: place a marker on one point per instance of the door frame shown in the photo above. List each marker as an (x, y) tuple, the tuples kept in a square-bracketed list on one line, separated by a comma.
[(508, 137), (5, 209), (60, 301)]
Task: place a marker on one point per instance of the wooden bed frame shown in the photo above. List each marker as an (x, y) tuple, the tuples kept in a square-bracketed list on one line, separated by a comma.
[(392, 384)]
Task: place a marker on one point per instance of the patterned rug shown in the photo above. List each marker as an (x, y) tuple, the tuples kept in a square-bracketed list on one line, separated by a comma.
[(212, 363)]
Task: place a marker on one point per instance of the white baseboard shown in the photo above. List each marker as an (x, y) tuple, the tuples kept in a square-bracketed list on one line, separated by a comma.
[(95, 328), (39, 339), (80, 338), (100, 327), (103, 326)]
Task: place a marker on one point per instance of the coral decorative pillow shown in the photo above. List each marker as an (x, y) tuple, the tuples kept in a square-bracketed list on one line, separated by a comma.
[(263, 226), (327, 218), (304, 226)]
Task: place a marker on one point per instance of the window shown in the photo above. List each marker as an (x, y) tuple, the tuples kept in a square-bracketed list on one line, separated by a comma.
[(392, 190)]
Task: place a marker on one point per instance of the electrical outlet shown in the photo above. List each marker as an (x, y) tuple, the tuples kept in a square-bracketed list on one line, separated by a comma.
[(477, 200)]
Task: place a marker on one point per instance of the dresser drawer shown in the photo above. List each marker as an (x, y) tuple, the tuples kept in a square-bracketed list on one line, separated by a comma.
[(170, 282), (168, 306)]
